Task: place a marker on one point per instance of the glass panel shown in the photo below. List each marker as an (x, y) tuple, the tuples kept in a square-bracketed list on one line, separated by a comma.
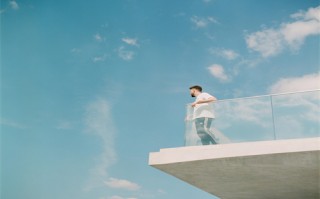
[(237, 120), (191, 137), (243, 120), (284, 116), (297, 115)]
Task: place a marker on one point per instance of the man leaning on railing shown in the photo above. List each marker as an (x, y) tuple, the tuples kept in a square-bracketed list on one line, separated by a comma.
[(203, 114)]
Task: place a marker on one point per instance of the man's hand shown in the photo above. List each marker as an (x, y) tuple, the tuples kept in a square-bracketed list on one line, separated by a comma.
[(194, 104)]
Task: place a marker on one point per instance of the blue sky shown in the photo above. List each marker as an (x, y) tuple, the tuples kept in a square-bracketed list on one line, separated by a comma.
[(89, 88)]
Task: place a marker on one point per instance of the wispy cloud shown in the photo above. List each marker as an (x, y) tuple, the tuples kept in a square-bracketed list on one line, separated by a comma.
[(14, 5), (307, 24), (272, 41), (130, 41), (209, 35), (254, 111), (75, 50), (298, 114), (11, 123), (218, 72), (202, 22), (292, 84), (161, 191), (250, 62), (100, 58), (98, 37), (122, 184), (225, 53), (64, 125), (124, 54), (267, 42), (99, 122), (11, 5), (305, 105)]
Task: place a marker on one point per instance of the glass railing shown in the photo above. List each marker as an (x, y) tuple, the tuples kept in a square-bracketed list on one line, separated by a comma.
[(269, 117)]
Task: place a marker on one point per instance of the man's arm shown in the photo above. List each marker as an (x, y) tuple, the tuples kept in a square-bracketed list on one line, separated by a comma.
[(210, 99)]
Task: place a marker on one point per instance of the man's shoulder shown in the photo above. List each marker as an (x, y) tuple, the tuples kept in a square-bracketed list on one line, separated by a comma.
[(206, 95)]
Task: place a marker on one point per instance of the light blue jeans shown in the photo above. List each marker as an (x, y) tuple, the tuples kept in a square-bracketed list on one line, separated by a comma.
[(203, 130)]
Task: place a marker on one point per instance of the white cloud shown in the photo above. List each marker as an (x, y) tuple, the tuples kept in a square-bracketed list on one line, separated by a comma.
[(295, 115), (202, 22), (307, 102), (225, 53), (293, 84), (272, 41), (14, 5), (267, 42), (212, 20), (125, 54), (250, 110), (312, 13), (305, 105), (290, 127), (98, 120), (298, 114), (98, 37), (130, 41), (218, 72), (296, 32), (122, 184), (100, 58)]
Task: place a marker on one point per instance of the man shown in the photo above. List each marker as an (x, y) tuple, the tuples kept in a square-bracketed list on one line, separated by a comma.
[(203, 114)]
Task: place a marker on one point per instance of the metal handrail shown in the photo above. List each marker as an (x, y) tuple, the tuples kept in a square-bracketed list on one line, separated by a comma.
[(258, 96)]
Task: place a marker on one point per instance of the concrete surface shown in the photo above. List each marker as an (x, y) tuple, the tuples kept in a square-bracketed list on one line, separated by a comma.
[(253, 170)]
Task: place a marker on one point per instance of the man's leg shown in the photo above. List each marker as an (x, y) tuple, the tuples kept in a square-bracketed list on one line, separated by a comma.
[(200, 127), (207, 125)]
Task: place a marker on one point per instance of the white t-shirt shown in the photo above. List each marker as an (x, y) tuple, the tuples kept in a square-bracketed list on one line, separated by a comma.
[(204, 109)]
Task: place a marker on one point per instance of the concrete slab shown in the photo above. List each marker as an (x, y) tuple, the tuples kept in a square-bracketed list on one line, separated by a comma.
[(268, 169)]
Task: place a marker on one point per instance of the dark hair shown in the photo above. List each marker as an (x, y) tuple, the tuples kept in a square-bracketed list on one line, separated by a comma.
[(199, 88)]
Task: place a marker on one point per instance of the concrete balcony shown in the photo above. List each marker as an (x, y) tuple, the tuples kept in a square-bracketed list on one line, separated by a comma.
[(265, 169)]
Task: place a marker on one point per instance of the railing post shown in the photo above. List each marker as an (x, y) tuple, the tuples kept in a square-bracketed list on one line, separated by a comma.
[(273, 124)]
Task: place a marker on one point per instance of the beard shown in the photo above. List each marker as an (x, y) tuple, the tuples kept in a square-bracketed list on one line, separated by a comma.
[(192, 95)]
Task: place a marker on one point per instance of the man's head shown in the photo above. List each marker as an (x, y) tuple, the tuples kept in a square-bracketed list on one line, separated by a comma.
[(195, 90)]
